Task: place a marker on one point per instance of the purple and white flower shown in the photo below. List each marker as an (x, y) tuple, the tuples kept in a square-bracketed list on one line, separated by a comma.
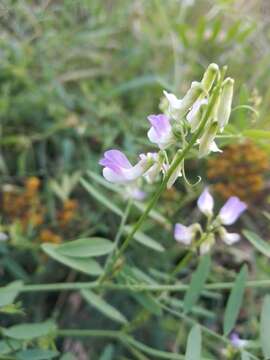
[(161, 131), (227, 215), (237, 342), (185, 234), (118, 169), (206, 203), (231, 210), (228, 238)]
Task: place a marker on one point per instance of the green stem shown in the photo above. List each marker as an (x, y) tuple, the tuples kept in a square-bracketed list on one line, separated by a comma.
[(178, 287), (88, 333), (121, 337), (109, 260)]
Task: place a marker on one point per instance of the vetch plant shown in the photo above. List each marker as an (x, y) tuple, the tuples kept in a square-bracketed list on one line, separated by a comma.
[(189, 124), (175, 130)]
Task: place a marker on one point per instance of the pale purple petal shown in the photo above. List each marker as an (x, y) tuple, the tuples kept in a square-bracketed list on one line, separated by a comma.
[(117, 168), (236, 341), (229, 238), (153, 135), (161, 131), (183, 234), (113, 176), (160, 123), (206, 203), (231, 210), (115, 158)]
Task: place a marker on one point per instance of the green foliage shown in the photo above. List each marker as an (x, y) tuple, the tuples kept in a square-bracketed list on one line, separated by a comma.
[(261, 245), (193, 351), (85, 248), (78, 78), (101, 305), (86, 265), (198, 280), (235, 301), (30, 331), (264, 326)]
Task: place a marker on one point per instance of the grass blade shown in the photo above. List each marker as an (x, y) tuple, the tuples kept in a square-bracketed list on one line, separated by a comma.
[(194, 344), (264, 327), (234, 302), (197, 282)]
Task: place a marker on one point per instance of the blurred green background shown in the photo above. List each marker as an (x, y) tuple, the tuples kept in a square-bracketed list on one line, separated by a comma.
[(80, 77)]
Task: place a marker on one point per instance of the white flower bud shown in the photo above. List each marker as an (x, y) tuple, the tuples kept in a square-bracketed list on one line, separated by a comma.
[(207, 143), (179, 107), (191, 96), (224, 109), (196, 113), (209, 77)]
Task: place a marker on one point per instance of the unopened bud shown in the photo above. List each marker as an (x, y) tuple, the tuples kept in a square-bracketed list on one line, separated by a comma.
[(207, 143), (224, 109), (209, 77), (191, 96), (195, 115)]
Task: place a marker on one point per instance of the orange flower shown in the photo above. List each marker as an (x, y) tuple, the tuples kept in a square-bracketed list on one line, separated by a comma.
[(32, 185), (47, 235), (239, 171)]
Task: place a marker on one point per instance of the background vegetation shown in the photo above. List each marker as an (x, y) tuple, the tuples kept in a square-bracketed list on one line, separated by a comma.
[(80, 77)]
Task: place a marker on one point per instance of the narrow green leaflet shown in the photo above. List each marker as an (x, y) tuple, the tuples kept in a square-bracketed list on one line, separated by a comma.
[(257, 242), (101, 198), (198, 280), (264, 327), (30, 331), (235, 301), (100, 304), (36, 354), (9, 293), (194, 344), (88, 247), (145, 240), (87, 266)]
